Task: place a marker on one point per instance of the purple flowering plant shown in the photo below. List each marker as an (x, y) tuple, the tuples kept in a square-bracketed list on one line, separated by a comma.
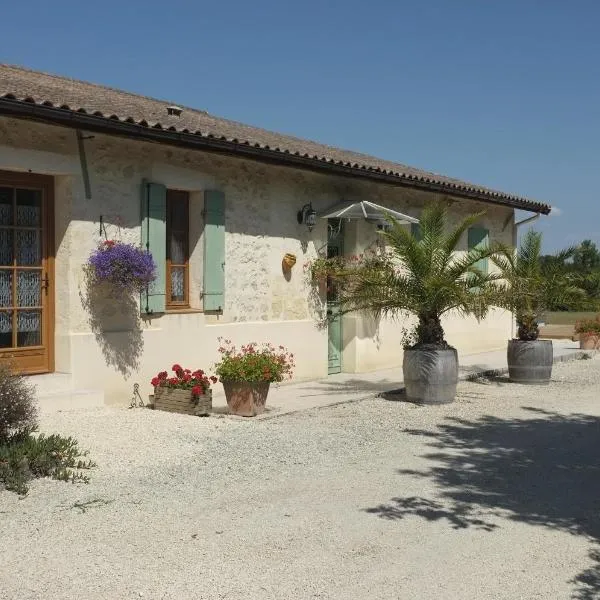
[(125, 266)]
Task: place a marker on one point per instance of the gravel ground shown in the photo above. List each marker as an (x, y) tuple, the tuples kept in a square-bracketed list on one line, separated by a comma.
[(492, 497)]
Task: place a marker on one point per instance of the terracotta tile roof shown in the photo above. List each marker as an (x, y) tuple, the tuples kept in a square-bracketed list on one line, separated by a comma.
[(56, 95)]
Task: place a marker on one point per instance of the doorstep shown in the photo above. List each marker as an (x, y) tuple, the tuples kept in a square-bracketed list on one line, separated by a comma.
[(54, 392)]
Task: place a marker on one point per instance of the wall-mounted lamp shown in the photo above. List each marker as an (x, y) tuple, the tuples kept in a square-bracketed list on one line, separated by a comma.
[(308, 216)]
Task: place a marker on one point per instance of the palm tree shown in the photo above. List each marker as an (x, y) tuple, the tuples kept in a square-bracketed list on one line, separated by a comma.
[(530, 286), (421, 275)]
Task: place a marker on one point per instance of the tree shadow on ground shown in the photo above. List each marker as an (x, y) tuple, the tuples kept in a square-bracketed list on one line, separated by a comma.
[(543, 471)]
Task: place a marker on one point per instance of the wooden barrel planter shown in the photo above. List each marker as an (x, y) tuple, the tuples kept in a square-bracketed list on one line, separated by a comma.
[(246, 399), (430, 375), (530, 362), (182, 401)]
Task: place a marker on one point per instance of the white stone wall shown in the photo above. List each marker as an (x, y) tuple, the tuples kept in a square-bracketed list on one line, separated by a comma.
[(109, 347)]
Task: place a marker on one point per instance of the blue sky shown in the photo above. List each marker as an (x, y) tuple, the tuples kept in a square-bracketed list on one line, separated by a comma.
[(505, 94)]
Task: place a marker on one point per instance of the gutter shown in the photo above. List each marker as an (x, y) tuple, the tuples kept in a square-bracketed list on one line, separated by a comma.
[(114, 126), (528, 220)]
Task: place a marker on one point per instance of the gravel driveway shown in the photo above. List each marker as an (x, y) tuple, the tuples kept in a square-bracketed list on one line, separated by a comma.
[(494, 496)]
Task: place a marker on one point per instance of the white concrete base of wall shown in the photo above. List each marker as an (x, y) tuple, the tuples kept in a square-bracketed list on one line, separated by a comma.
[(55, 393)]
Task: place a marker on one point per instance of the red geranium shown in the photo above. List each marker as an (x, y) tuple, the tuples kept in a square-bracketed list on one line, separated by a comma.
[(254, 362), (195, 381)]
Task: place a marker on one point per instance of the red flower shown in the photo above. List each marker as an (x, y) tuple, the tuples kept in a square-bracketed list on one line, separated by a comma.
[(176, 368), (110, 243), (173, 381), (197, 390), (155, 381), (162, 375)]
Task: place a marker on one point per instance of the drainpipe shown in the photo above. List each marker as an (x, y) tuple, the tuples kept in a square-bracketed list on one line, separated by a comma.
[(84, 168), (515, 234)]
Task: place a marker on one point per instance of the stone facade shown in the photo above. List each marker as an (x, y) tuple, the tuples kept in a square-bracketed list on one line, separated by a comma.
[(107, 345)]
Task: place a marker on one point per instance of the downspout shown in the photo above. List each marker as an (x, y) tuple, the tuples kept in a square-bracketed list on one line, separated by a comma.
[(515, 240), (84, 168)]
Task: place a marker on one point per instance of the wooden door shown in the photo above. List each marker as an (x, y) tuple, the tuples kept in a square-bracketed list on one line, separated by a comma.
[(26, 272), (334, 325)]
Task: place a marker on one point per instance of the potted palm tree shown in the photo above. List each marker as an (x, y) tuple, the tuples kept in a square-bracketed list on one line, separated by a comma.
[(529, 287), (422, 275)]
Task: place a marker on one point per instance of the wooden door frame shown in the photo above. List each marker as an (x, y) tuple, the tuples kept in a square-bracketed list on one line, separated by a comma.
[(46, 183)]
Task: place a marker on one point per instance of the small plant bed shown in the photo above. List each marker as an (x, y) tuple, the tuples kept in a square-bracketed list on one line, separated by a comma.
[(588, 331), (23, 454), (188, 392), (246, 374)]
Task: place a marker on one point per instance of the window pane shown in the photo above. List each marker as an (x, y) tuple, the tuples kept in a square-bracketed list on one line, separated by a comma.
[(6, 247), (29, 328), (6, 206), (6, 278), (177, 245), (29, 246), (178, 209), (29, 208), (29, 288), (6, 317), (177, 284), (178, 248)]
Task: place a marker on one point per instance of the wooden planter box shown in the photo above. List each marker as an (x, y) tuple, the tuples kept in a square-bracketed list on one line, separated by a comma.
[(181, 401)]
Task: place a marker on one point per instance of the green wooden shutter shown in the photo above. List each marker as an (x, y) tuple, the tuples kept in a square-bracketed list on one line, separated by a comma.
[(214, 250), (154, 239), (478, 237), (415, 229)]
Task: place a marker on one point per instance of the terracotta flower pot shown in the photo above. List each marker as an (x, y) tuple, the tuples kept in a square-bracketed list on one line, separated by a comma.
[(589, 341), (246, 399)]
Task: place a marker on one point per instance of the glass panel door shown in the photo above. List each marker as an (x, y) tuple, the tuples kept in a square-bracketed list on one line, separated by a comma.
[(23, 276), (334, 320)]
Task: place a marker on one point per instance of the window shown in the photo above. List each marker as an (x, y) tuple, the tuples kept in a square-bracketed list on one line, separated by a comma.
[(178, 251), (478, 237)]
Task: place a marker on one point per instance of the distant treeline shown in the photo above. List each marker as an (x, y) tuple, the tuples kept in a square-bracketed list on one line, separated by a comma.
[(582, 264)]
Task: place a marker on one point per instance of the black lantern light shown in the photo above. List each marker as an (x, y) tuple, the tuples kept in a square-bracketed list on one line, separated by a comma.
[(308, 216)]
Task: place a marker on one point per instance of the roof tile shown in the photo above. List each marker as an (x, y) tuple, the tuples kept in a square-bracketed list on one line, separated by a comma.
[(17, 83)]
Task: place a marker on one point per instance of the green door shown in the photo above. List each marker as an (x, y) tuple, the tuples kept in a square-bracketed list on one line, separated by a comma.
[(334, 330)]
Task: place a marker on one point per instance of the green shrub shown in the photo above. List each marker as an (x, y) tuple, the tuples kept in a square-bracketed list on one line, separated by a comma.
[(18, 411), (24, 456), (590, 326)]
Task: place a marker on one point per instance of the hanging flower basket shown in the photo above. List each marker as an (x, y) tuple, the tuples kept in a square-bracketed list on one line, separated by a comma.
[(124, 266)]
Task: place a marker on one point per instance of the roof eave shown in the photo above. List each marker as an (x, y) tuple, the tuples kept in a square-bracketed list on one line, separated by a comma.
[(113, 126)]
